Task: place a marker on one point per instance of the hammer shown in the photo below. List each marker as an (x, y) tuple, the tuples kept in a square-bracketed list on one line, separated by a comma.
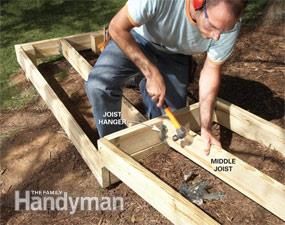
[(180, 131)]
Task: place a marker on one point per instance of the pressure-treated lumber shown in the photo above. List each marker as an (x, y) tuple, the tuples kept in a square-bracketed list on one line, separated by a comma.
[(95, 40), (75, 59), (248, 180), (119, 150), (143, 136), (157, 193), (73, 130), (82, 143), (51, 47), (62, 46), (250, 126), (129, 112), (180, 211)]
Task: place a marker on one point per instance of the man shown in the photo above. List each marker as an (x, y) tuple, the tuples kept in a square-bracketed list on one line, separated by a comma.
[(155, 38)]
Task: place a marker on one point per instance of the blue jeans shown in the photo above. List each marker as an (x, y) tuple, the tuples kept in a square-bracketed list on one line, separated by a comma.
[(113, 69)]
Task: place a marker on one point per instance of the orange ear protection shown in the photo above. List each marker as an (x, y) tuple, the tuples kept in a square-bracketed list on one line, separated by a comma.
[(198, 4)]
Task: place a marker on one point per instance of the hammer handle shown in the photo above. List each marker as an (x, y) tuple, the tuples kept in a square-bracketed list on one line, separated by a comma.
[(172, 118)]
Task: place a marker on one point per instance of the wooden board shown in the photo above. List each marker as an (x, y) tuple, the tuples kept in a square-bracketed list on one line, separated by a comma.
[(51, 47), (119, 150), (80, 64), (250, 126), (157, 193), (248, 180), (73, 130), (129, 112)]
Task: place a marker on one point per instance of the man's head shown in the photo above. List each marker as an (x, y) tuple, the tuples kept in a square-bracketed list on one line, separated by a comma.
[(214, 17)]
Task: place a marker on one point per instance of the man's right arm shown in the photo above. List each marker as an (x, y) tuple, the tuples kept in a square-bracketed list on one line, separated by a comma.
[(119, 29)]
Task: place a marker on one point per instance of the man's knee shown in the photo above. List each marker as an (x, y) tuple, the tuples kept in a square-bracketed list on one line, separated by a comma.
[(101, 86), (94, 85)]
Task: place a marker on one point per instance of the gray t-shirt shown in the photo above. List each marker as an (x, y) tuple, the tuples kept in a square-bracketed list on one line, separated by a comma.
[(167, 24)]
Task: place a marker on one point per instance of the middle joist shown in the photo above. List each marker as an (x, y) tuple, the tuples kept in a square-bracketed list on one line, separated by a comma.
[(248, 180)]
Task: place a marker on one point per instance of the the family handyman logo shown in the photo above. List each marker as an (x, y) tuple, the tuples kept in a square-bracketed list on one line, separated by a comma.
[(61, 201)]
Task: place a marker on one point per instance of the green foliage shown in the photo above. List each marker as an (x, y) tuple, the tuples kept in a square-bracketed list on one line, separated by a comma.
[(32, 20), (254, 9)]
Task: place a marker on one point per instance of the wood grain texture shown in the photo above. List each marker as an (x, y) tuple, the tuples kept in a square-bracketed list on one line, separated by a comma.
[(73, 130), (161, 196), (248, 180), (250, 126), (51, 47)]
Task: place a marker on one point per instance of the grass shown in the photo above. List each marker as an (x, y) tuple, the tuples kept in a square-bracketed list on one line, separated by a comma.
[(30, 20), (254, 10)]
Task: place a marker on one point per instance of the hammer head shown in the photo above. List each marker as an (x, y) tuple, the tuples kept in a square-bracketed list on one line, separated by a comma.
[(180, 134)]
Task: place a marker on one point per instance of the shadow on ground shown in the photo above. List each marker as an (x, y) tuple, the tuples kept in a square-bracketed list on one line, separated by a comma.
[(252, 96)]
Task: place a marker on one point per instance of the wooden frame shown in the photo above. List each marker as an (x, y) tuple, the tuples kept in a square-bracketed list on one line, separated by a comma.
[(117, 154)]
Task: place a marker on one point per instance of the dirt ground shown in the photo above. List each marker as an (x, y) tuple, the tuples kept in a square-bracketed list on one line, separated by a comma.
[(37, 155)]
